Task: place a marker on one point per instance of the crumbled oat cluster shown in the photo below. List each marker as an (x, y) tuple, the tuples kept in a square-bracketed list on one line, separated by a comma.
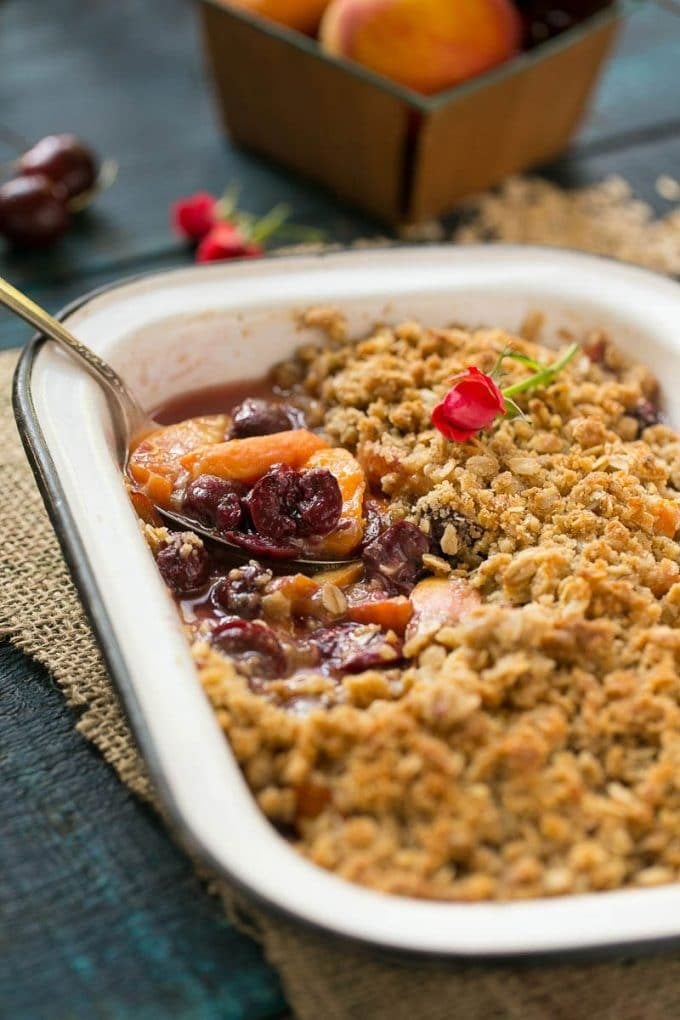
[(605, 218), (534, 747)]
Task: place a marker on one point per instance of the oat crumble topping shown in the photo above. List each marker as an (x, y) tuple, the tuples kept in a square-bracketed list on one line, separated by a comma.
[(533, 748)]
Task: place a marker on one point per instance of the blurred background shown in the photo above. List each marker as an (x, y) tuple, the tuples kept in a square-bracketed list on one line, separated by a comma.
[(131, 80)]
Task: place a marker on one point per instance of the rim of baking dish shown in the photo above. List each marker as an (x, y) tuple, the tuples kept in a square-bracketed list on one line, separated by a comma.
[(575, 925)]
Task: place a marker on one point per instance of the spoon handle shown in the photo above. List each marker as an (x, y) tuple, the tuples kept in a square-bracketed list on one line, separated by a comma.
[(133, 417)]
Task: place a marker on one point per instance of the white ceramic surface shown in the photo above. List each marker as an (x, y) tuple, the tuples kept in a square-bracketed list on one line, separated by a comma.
[(176, 331)]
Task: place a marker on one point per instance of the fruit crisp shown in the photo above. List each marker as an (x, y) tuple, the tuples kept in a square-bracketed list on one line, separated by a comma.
[(482, 701)]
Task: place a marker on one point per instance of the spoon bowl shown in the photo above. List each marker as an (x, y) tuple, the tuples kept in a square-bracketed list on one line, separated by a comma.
[(131, 421)]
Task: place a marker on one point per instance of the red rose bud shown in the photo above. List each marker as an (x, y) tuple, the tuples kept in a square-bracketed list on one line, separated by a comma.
[(194, 216), (225, 241), (472, 403)]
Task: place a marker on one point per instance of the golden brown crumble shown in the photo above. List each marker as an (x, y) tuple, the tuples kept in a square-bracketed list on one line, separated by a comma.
[(533, 748)]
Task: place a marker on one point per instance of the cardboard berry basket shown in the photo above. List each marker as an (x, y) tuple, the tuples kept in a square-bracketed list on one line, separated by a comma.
[(400, 156)]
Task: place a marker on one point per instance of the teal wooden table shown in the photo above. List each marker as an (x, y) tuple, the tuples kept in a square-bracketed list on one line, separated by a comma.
[(100, 915)]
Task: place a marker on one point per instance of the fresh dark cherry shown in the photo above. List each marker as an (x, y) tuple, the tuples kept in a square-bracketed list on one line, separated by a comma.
[(253, 643), (354, 647), (257, 417), (33, 211), (546, 18), (240, 592), (64, 160), (184, 565), (285, 504), (395, 556), (207, 493)]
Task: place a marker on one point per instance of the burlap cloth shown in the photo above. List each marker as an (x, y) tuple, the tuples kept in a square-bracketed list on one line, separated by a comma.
[(41, 614)]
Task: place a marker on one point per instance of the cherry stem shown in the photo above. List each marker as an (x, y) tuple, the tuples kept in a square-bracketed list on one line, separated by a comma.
[(226, 207), (108, 172), (544, 375), (297, 232), (513, 410), (270, 223)]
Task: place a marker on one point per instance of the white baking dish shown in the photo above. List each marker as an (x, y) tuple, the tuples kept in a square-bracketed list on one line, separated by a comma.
[(175, 331)]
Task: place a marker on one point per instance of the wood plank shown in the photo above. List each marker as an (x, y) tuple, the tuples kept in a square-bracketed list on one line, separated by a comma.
[(54, 294), (102, 914), (639, 86), (641, 165)]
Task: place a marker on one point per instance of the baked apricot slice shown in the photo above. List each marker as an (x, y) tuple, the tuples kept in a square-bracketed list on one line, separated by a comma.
[(666, 518), (345, 537), (155, 463), (343, 576), (299, 590), (390, 614), (246, 460), (144, 508), (438, 601)]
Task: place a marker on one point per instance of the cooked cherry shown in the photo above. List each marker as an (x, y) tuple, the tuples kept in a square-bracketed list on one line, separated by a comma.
[(320, 502), (240, 592), (285, 503), (206, 493), (260, 545), (254, 643), (229, 513), (184, 564), (257, 417), (65, 160), (33, 212), (272, 503), (376, 519), (395, 556), (354, 647), (596, 350)]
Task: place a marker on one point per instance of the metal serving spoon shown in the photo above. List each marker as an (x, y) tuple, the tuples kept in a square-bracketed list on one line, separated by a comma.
[(130, 419)]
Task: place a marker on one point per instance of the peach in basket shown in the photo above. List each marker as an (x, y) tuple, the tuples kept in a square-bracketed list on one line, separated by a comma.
[(427, 45)]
